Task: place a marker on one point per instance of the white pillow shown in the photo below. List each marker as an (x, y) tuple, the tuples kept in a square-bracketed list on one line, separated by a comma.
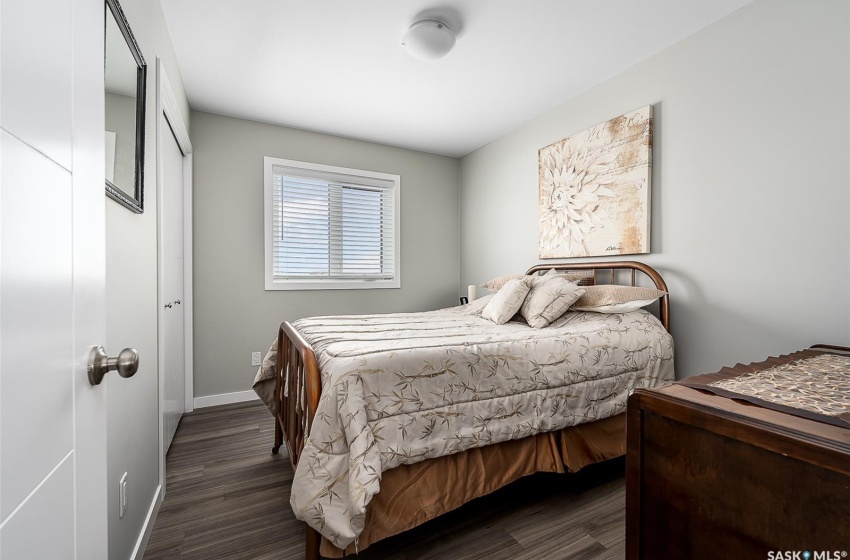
[(616, 299), (507, 301), (617, 307), (548, 299)]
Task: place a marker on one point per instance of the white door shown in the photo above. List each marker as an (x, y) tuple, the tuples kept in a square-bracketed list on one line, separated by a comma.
[(52, 421), (174, 195), (173, 317)]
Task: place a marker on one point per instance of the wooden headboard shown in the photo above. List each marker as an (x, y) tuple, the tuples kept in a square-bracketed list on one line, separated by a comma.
[(593, 272)]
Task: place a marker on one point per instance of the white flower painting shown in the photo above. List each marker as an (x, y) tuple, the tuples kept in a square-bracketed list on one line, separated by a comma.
[(595, 190)]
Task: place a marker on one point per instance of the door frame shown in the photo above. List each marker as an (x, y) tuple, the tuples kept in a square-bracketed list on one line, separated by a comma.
[(167, 109)]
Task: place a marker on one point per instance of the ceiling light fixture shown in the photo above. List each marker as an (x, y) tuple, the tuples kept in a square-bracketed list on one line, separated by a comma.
[(429, 39)]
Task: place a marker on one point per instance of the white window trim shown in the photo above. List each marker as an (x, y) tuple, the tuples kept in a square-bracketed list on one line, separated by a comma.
[(336, 284)]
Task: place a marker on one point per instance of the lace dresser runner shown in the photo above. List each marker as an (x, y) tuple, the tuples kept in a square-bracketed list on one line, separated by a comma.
[(811, 384)]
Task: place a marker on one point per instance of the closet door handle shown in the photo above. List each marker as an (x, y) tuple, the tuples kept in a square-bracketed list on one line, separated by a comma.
[(168, 306), (177, 302)]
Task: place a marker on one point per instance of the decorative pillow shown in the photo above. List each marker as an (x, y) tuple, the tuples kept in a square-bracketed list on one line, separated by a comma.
[(507, 301), (496, 283), (616, 299), (548, 299)]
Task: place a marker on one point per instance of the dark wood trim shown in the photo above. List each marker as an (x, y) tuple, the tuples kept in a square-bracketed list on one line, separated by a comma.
[(740, 426), (278, 393), (833, 347), (314, 542), (634, 460)]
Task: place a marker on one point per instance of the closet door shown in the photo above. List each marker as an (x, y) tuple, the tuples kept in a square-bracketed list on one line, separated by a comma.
[(173, 307)]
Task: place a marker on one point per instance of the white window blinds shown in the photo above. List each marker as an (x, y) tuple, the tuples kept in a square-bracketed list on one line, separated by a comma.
[(331, 225)]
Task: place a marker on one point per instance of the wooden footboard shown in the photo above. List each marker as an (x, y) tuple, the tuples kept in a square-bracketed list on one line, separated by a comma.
[(297, 389)]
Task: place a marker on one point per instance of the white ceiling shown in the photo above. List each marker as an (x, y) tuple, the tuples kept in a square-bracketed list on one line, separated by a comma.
[(338, 67)]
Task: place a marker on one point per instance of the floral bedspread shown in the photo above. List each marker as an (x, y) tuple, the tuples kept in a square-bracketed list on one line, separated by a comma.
[(402, 388)]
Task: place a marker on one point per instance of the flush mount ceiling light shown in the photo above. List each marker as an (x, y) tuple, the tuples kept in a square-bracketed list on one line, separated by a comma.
[(428, 39)]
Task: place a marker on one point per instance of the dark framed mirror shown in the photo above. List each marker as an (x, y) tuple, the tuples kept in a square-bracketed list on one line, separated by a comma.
[(125, 75)]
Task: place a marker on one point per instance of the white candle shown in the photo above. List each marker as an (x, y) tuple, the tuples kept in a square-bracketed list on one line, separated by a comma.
[(470, 291)]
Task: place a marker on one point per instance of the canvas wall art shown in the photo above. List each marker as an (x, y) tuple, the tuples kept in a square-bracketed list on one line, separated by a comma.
[(594, 190)]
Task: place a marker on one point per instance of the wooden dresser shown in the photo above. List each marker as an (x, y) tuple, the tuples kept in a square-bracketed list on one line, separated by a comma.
[(710, 477)]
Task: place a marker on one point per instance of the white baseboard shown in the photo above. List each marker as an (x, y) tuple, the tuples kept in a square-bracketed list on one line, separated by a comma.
[(147, 528), (225, 398)]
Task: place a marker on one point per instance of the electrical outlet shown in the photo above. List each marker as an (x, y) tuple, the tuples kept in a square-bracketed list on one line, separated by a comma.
[(122, 496), (256, 358)]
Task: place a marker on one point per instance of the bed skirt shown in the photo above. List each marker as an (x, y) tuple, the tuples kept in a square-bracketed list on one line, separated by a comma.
[(413, 494)]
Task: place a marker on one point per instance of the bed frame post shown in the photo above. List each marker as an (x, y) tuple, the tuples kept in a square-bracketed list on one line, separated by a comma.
[(314, 541), (278, 438), (278, 394), (297, 371)]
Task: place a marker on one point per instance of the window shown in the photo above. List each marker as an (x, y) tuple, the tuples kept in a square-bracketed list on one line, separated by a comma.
[(330, 227)]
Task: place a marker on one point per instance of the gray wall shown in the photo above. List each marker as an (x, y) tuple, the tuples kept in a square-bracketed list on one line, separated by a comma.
[(131, 300), (751, 189), (234, 315)]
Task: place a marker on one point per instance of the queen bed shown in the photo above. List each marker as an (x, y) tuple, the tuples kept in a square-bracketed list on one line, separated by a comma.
[(392, 420)]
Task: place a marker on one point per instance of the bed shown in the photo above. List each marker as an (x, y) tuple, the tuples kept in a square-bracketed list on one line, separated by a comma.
[(392, 420)]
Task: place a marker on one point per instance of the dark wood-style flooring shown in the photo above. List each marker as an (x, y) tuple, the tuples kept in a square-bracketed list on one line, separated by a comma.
[(228, 498)]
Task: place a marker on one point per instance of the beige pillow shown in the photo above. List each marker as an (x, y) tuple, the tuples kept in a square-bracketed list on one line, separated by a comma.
[(507, 301), (616, 299), (548, 299), (496, 283)]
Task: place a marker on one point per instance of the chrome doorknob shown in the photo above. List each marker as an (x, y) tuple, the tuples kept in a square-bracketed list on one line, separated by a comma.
[(126, 364)]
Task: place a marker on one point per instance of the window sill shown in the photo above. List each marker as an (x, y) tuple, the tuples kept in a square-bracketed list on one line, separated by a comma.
[(274, 285)]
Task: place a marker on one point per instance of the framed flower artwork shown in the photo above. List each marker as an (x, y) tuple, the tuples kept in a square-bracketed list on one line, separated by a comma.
[(594, 190)]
